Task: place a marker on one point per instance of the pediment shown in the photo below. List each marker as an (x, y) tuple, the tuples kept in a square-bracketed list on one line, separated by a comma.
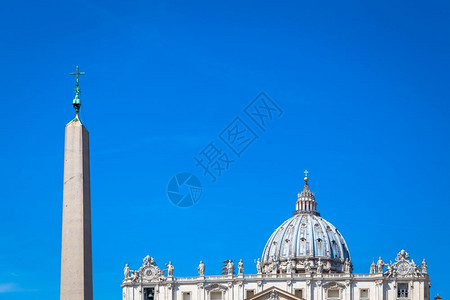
[(216, 287), (273, 293), (333, 284)]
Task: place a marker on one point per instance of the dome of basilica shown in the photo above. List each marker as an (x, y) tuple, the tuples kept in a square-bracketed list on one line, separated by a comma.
[(306, 242)]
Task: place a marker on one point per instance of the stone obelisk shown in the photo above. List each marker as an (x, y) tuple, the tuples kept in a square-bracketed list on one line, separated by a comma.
[(76, 252)]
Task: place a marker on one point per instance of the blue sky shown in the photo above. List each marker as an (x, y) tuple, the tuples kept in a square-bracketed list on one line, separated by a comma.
[(365, 97)]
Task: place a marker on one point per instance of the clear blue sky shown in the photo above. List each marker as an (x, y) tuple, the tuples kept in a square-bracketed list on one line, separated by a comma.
[(364, 87)]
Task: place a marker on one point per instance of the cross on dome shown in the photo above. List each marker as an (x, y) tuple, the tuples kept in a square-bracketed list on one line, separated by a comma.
[(306, 200)]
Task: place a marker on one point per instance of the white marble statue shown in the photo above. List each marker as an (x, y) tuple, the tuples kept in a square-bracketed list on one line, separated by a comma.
[(135, 276), (275, 265), (170, 269), (380, 265), (402, 255), (319, 266), (415, 269), (241, 267), (201, 268), (230, 267), (289, 267), (347, 266), (258, 266), (424, 266), (390, 270), (148, 260), (126, 271), (307, 266)]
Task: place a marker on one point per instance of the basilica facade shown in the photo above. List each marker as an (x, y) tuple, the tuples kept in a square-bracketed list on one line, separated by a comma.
[(306, 257)]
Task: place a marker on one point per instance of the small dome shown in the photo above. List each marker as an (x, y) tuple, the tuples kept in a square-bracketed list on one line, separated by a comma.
[(307, 240)]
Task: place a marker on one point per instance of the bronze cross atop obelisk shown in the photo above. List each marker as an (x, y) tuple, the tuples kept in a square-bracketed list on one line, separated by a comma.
[(77, 73), (76, 101)]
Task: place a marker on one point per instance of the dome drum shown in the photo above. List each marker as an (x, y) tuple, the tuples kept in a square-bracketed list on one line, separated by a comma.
[(305, 265)]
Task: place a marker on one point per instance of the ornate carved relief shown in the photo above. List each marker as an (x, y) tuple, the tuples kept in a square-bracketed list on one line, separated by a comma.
[(404, 267), (274, 295), (148, 272), (216, 287)]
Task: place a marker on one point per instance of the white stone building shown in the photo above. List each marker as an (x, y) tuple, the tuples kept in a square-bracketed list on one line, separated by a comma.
[(306, 257)]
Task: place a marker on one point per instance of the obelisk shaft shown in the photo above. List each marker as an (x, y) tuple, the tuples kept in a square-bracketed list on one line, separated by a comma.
[(76, 252)]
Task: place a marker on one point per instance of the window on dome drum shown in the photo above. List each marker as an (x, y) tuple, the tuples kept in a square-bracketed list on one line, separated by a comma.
[(402, 290), (298, 293), (333, 294), (364, 294), (249, 293), (215, 296), (149, 293), (186, 296)]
